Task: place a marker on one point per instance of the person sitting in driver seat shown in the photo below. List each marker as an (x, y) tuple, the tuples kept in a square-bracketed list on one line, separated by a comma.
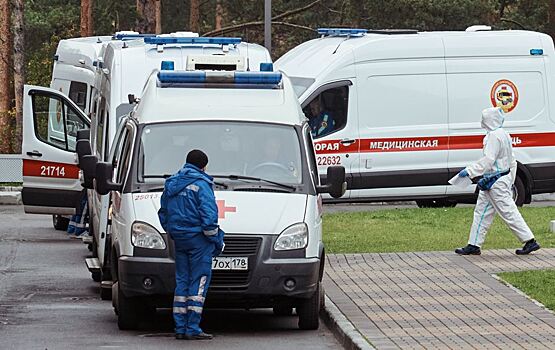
[(322, 122), (272, 163)]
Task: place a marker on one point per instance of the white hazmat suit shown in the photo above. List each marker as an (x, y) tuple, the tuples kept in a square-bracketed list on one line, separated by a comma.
[(498, 158)]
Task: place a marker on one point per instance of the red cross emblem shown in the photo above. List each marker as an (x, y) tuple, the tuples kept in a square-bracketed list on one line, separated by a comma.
[(222, 209)]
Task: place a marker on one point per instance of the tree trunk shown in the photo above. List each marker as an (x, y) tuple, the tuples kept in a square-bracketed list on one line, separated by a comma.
[(219, 14), (158, 16), (85, 4), (90, 21), (5, 77), (146, 19), (551, 24), (19, 70), (194, 20)]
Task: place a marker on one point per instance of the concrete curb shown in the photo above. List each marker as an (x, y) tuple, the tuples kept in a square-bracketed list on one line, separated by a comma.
[(10, 198), (342, 328)]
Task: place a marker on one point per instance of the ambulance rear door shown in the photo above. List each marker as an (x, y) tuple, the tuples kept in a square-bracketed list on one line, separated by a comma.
[(51, 182)]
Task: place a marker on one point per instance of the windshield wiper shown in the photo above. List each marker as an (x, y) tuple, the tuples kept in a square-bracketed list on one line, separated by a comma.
[(165, 176), (241, 177)]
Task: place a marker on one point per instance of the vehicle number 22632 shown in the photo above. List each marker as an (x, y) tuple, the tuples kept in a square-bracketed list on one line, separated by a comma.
[(52, 171), (329, 160)]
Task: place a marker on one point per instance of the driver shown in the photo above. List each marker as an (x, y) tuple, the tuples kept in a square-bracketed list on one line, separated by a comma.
[(321, 121)]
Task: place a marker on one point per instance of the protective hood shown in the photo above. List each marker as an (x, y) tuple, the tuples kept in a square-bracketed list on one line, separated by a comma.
[(183, 178), (492, 118)]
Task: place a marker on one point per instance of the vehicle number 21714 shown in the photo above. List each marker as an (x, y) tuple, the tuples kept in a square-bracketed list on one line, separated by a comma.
[(329, 160), (56, 171)]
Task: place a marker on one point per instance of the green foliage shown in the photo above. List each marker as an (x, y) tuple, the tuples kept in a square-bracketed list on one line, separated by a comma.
[(539, 285), (403, 230)]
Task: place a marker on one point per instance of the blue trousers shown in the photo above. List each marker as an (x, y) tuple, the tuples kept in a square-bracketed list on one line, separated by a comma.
[(193, 269)]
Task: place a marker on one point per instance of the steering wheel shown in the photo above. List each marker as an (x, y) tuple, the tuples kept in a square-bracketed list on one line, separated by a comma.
[(272, 165)]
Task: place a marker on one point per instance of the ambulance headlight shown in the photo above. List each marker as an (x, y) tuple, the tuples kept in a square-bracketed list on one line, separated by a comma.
[(293, 237), (145, 236)]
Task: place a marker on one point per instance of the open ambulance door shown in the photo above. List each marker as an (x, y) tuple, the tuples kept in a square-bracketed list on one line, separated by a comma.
[(51, 183)]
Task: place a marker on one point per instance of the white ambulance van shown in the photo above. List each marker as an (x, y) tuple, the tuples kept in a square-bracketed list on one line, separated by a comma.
[(405, 107), (266, 184)]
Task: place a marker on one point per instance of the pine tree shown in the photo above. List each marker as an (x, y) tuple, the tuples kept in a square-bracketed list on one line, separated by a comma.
[(5, 77), (19, 70)]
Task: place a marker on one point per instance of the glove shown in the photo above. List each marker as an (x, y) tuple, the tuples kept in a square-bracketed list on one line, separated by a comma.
[(463, 173), (219, 244)]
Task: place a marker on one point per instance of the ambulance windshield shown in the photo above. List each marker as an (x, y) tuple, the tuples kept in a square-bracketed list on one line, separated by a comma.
[(268, 151)]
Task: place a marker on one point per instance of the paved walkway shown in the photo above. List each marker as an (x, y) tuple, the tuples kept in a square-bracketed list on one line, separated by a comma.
[(431, 300)]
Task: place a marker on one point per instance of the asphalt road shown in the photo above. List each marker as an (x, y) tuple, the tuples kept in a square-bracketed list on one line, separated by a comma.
[(49, 301)]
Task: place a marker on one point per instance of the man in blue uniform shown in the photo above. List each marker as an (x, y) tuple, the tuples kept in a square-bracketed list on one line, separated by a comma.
[(189, 214), (322, 122)]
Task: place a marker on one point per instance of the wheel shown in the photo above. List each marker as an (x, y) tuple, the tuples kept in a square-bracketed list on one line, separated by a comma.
[(309, 310), (519, 192), (280, 310), (60, 223), (105, 293), (128, 311), (96, 276)]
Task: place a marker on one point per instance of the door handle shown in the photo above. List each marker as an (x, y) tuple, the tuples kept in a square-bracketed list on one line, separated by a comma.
[(347, 141), (34, 154)]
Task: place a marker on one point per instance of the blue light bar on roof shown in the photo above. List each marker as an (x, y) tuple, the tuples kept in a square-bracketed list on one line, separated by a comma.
[(195, 40), (342, 31), (239, 78), (536, 52), (132, 36)]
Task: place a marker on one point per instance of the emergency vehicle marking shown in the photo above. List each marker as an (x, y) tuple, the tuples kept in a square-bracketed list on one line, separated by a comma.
[(329, 160), (41, 168), (144, 196), (222, 209), (437, 143), (504, 94)]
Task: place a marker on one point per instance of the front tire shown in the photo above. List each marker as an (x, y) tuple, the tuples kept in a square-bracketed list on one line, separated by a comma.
[(60, 223), (519, 192), (309, 310), (128, 311)]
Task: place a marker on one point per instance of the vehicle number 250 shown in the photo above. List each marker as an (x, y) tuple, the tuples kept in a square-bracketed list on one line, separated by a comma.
[(56, 171), (329, 160)]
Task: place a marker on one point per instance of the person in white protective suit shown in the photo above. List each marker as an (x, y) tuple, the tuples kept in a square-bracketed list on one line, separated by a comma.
[(498, 168)]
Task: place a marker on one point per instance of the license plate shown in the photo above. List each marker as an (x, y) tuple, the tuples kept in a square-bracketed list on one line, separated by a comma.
[(230, 263)]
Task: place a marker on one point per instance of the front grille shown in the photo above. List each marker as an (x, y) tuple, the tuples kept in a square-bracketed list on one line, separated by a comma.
[(236, 280), (241, 246)]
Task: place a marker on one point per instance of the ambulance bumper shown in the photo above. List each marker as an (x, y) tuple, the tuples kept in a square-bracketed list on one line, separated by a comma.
[(267, 282)]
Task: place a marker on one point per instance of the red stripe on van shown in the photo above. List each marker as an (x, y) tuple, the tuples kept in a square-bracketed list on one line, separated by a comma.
[(49, 169), (428, 143)]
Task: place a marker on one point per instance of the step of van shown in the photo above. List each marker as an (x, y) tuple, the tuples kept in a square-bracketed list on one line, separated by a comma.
[(93, 264), (87, 240), (106, 284)]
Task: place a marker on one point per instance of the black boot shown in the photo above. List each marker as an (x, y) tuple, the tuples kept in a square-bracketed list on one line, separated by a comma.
[(200, 336), (528, 248), (469, 250)]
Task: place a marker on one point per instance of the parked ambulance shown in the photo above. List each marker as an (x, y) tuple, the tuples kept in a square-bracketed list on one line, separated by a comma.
[(402, 108)]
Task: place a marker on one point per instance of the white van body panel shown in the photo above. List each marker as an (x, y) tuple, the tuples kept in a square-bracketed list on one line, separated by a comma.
[(427, 90)]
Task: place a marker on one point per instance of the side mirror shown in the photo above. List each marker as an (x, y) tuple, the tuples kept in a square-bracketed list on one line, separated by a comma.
[(88, 166), (335, 182), (103, 179), (83, 134), (82, 148)]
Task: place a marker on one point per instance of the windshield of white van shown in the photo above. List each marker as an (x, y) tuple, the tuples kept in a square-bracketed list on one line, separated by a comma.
[(265, 151)]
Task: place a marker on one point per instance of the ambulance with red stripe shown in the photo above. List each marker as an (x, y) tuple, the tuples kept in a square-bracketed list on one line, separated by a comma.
[(406, 107)]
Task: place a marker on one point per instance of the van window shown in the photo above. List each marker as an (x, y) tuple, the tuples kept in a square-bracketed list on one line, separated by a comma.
[(56, 123), (78, 94), (327, 112), (124, 159), (100, 128)]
